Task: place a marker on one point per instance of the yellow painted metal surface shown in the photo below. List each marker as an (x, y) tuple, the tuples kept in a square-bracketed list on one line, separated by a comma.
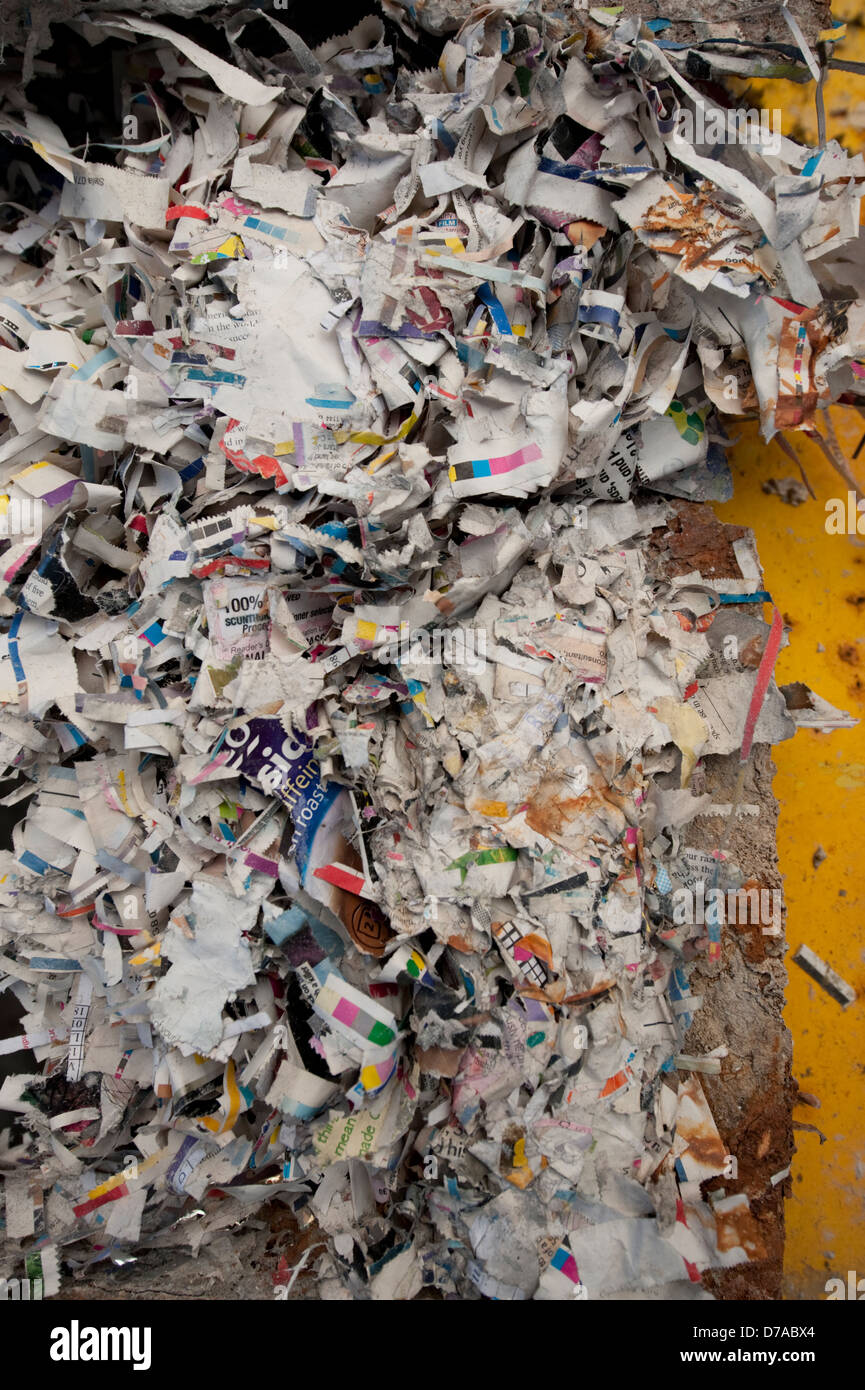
[(818, 582)]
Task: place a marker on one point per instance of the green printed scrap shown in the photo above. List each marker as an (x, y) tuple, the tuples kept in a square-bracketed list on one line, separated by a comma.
[(380, 1034), (690, 424), (500, 855)]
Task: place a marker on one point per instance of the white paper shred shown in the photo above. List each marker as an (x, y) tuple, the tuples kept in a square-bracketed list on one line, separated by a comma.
[(355, 710)]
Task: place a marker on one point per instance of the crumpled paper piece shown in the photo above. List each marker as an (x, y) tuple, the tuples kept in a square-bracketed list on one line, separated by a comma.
[(350, 416)]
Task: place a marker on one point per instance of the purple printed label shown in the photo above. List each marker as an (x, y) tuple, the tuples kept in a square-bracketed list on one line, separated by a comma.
[(285, 766)]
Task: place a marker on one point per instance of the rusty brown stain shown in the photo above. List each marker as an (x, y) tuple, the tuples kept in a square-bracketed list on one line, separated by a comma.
[(707, 1148), (694, 229), (550, 817), (697, 540), (752, 652), (739, 1228), (797, 695), (553, 815)]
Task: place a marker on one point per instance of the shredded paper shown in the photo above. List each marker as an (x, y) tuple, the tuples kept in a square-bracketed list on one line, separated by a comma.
[(350, 410)]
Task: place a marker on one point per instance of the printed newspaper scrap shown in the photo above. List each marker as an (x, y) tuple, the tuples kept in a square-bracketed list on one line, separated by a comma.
[(353, 710)]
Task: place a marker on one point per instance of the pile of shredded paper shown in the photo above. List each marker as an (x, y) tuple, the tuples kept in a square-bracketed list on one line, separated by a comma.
[(351, 710)]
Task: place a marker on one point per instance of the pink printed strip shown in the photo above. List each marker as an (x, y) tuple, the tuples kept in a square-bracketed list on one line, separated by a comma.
[(508, 462), (218, 761), (231, 204), (761, 686), (117, 931), (13, 569)]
